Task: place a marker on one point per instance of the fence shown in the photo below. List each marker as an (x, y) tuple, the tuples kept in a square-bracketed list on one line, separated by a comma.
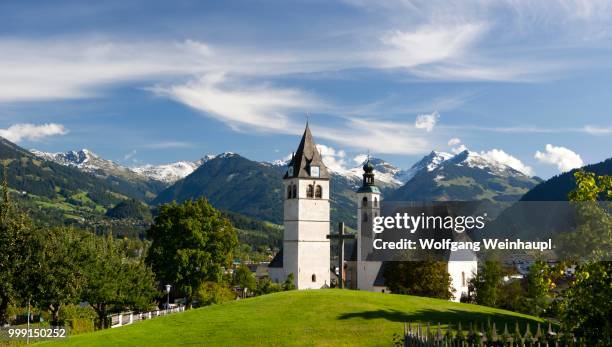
[(125, 318), (416, 335)]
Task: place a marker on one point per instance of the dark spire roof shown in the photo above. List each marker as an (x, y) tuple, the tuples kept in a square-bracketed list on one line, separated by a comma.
[(368, 185), (305, 157)]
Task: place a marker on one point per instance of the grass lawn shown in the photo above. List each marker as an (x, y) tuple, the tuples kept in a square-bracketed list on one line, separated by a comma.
[(303, 318)]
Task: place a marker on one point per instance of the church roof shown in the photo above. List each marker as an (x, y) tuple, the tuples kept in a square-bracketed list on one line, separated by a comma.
[(277, 261), (368, 189), (305, 157)]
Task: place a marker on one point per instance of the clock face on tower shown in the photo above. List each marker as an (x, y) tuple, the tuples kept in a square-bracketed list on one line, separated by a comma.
[(290, 171), (314, 171)]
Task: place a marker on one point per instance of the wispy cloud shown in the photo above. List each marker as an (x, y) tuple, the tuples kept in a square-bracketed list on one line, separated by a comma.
[(32, 132), (378, 136), (587, 129), (167, 144), (244, 107)]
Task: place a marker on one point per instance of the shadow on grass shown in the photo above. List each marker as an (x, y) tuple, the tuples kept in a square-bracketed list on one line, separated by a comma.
[(451, 316)]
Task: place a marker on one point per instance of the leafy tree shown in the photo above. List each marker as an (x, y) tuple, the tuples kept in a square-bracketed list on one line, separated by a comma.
[(60, 275), (487, 283), (243, 278), (586, 307), (192, 243), (289, 283), (266, 286), (18, 249), (539, 283), (213, 293), (114, 282), (422, 278)]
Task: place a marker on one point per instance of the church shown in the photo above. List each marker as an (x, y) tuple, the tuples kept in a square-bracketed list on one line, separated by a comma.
[(306, 246)]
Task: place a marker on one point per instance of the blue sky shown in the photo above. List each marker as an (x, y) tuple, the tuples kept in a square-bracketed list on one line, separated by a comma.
[(524, 82)]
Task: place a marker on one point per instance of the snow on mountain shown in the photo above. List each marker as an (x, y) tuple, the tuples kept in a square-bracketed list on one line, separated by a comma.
[(487, 163), (429, 162), (168, 173), (87, 161)]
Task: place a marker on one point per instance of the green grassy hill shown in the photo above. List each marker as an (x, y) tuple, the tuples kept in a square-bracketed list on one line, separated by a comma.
[(302, 318)]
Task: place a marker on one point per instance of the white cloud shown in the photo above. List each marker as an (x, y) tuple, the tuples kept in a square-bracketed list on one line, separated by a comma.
[(454, 141), (260, 107), (502, 157), (32, 132), (333, 159), (459, 149), (360, 158), (377, 135), (564, 158), (429, 44), (427, 121)]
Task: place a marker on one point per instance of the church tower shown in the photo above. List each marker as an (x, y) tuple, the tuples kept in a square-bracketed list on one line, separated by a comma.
[(368, 207), (306, 251)]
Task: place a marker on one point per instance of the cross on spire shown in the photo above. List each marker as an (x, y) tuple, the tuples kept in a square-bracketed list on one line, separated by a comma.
[(340, 236)]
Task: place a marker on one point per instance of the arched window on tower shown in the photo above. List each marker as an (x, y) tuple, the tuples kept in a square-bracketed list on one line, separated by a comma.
[(463, 279), (314, 277), (289, 192), (294, 191), (309, 191), (375, 202), (364, 202), (318, 192), (364, 218)]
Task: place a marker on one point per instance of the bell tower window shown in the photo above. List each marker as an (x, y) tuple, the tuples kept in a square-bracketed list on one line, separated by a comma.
[(309, 191), (364, 202), (289, 192), (375, 202), (318, 192), (294, 191), (314, 277)]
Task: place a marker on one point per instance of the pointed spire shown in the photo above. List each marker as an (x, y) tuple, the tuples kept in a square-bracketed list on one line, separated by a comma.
[(306, 157)]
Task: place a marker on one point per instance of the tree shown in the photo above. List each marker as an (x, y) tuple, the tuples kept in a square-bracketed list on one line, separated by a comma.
[(289, 283), (60, 276), (266, 286), (586, 307), (18, 250), (115, 282), (539, 283), (243, 278), (487, 283), (213, 293), (422, 278), (191, 244)]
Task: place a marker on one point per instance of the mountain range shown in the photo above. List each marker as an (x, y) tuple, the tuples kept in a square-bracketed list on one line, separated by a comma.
[(254, 189)]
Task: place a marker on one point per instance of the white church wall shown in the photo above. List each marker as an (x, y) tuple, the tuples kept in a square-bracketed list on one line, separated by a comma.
[(366, 275), (461, 272)]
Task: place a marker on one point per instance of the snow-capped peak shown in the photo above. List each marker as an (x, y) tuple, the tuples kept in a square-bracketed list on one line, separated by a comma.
[(485, 162), (74, 158)]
